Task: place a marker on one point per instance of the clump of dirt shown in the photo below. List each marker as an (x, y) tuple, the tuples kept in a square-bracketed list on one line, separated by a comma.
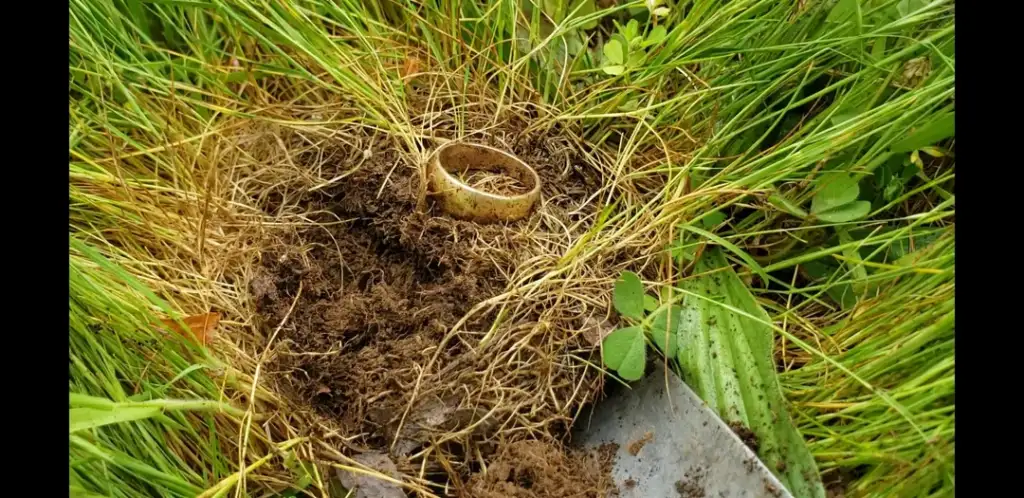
[(534, 469), (493, 183), (692, 484), (635, 446), (772, 489), (746, 435), (360, 297), (837, 482)]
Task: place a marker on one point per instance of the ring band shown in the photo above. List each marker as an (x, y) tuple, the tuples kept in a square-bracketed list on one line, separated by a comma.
[(465, 202)]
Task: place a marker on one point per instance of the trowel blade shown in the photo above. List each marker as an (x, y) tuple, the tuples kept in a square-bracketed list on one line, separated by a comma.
[(689, 451)]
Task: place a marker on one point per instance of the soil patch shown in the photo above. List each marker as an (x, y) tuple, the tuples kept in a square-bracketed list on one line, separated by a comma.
[(692, 484), (837, 481), (746, 435), (533, 469), (360, 298)]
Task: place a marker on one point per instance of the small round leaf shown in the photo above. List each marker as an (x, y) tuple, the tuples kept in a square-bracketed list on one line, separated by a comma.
[(665, 326), (836, 190), (625, 351), (628, 296), (614, 52)]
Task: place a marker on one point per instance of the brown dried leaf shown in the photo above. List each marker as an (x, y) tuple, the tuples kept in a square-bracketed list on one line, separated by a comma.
[(200, 327), (410, 67)]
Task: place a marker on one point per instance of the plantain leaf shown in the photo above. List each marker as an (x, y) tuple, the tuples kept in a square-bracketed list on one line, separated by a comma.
[(629, 295), (726, 357)]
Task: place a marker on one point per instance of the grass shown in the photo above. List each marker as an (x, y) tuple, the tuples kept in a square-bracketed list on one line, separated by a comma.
[(739, 110)]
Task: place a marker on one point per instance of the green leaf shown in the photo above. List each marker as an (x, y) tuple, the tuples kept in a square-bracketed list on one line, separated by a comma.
[(842, 117), (841, 11), (892, 191), (847, 212), (937, 129), (636, 58), (786, 205), (650, 303), (751, 262), (630, 105), (905, 7), (667, 319), (614, 52), (625, 351), (632, 30), (727, 360), (683, 252), (878, 49), (629, 295), (586, 9), (836, 190), (90, 418), (614, 70), (713, 220), (656, 36)]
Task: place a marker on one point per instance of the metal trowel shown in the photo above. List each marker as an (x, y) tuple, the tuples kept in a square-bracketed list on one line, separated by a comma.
[(671, 444)]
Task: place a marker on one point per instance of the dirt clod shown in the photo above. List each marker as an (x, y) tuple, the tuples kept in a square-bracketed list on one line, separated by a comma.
[(692, 484), (534, 469), (772, 489), (746, 435), (635, 446)]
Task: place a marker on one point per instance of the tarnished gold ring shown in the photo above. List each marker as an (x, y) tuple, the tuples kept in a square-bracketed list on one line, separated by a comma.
[(468, 203)]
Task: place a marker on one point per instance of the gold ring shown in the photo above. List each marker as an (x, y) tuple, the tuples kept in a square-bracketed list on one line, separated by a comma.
[(468, 203)]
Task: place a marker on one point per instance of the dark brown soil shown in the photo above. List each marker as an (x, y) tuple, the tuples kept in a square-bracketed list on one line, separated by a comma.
[(692, 484), (359, 304), (533, 469), (772, 489), (746, 435), (837, 482)]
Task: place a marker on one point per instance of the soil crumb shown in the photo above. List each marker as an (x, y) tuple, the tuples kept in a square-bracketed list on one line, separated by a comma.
[(772, 489), (493, 183), (692, 484), (837, 482), (746, 435), (535, 469), (635, 446)]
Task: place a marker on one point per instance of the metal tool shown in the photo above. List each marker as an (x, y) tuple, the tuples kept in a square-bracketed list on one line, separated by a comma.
[(683, 449)]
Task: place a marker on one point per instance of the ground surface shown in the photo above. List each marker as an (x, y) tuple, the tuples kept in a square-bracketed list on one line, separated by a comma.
[(381, 283)]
